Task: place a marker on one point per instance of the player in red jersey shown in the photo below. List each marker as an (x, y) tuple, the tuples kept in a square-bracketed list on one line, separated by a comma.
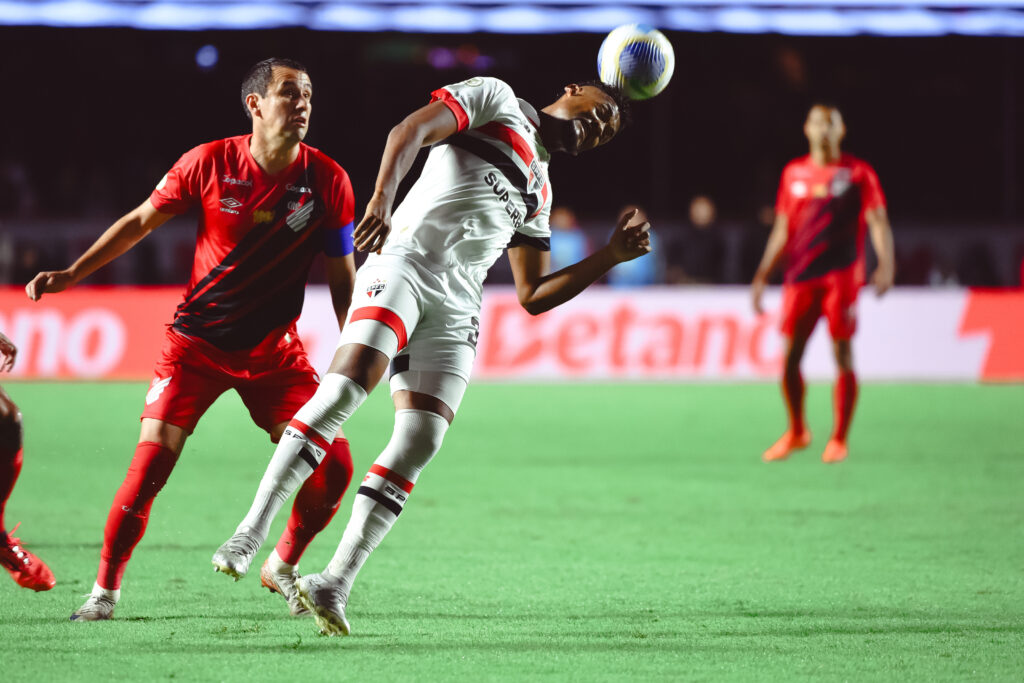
[(269, 204), (27, 570), (827, 202)]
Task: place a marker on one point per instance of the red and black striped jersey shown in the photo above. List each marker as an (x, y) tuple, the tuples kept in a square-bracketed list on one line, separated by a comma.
[(825, 207), (257, 237)]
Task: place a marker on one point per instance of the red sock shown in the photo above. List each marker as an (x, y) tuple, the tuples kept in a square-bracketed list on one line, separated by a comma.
[(793, 393), (10, 466), (843, 399), (129, 514), (317, 501)]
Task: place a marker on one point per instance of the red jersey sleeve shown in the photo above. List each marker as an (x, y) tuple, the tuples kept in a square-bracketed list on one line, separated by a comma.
[(180, 187), (782, 203), (870, 189), (341, 212)]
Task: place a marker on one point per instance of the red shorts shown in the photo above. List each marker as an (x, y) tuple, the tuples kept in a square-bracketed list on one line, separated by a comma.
[(274, 379), (834, 296)]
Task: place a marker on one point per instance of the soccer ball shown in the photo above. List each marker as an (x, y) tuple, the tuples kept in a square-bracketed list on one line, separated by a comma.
[(637, 58)]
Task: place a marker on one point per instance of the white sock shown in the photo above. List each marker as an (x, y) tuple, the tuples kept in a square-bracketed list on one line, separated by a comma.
[(297, 454), (276, 564), (111, 594), (382, 495)]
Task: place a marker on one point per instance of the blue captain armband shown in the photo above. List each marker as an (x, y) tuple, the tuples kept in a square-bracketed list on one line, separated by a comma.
[(338, 243)]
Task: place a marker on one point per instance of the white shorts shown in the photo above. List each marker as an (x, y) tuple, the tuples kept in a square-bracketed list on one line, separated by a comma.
[(436, 325)]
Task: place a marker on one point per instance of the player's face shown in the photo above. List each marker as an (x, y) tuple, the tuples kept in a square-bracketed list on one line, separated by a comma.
[(288, 103), (824, 127), (594, 117)]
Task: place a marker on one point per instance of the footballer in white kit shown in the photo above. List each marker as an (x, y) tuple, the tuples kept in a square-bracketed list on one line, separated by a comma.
[(481, 190), (484, 190)]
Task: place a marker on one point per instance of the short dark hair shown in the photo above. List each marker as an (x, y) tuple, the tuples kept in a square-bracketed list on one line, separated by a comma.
[(621, 99), (258, 78)]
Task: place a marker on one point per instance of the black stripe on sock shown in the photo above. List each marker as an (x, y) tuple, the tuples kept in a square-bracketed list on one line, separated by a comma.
[(308, 457), (379, 497)]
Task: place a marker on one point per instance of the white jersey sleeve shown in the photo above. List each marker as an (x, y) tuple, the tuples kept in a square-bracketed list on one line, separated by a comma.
[(475, 101)]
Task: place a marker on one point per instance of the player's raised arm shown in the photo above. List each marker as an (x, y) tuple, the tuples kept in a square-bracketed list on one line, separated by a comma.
[(772, 253), (881, 240), (423, 127), (116, 240), (540, 291)]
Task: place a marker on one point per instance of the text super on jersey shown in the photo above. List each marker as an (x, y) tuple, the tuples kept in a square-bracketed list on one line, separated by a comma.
[(825, 207), (257, 236)]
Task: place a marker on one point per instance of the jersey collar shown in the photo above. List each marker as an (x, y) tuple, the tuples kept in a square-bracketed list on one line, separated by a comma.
[(534, 118)]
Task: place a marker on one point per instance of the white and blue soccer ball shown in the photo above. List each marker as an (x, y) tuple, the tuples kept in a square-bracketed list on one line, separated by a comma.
[(638, 59)]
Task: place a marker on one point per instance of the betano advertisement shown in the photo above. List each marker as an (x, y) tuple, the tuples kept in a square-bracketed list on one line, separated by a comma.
[(657, 333)]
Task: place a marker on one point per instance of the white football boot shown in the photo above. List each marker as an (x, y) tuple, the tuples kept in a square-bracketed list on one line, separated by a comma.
[(234, 557), (98, 607), (325, 599), (276, 576)]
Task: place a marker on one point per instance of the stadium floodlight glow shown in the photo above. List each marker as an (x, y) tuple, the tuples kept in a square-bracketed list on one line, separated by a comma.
[(790, 17)]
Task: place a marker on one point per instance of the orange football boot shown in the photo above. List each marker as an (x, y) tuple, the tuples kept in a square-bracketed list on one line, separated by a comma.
[(789, 442), (27, 570), (835, 451)]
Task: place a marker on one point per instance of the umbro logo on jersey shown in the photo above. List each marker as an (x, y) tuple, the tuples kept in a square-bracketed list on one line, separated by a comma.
[(156, 389), (299, 218), (376, 287), (229, 204)]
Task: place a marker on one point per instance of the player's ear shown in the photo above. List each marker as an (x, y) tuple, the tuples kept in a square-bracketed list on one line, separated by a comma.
[(573, 89), (252, 101)]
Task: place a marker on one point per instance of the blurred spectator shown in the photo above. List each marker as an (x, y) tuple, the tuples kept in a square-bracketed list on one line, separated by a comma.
[(697, 252), (646, 270), (569, 243), (16, 195)]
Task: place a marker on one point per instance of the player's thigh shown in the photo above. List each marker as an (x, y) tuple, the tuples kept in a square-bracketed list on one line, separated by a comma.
[(840, 309), (184, 386), (801, 308), (438, 360), (389, 299), (273, 398)]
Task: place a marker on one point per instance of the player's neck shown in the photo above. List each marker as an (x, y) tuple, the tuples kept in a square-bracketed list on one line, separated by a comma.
[(273, 155), (823, 156)]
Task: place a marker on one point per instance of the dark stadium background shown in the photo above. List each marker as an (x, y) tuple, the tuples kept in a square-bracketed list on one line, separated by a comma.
[(94, 117)]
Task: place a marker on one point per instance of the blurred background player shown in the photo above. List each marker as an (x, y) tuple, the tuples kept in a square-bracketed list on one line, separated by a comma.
[(269, 205), (484, 188), (27, 570), (826, 202)]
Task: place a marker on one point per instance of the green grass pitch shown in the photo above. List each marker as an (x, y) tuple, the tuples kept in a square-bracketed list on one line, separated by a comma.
[(564, 533)]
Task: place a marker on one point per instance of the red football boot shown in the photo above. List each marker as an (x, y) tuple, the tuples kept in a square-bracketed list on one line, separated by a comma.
[(27, 570)]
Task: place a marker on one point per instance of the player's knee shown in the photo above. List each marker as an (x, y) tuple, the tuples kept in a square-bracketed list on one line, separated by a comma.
[(10, 425)]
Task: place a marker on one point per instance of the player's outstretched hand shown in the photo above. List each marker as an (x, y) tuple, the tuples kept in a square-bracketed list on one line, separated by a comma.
[(8, 352), (631, 238), (882, 279), (373, 230), (48, 282)]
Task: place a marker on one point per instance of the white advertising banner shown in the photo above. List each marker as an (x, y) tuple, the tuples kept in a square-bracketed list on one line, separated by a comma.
[(655, 333), (712, 334)]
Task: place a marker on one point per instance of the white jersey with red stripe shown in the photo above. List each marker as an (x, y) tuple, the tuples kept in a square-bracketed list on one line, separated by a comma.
[(481, 190)]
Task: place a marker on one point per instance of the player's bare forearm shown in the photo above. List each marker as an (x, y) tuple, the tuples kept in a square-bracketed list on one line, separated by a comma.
[(882, 240), (425, 126), (116, 240), (539, 291), (341, 275), (773, 249)]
